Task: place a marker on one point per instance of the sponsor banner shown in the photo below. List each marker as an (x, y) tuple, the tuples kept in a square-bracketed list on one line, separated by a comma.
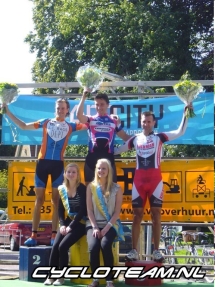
[(188, 191), (168, 113)]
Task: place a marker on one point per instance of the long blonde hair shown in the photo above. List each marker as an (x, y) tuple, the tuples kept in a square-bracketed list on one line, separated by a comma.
[(109, 181), (66, 181)]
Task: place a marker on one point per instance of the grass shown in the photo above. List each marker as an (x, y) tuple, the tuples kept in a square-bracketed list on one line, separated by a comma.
[(183, 251)]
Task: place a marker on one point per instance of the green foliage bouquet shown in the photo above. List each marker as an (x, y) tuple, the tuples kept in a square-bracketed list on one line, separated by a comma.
[(187, 91), (8, 92), (89, 77)]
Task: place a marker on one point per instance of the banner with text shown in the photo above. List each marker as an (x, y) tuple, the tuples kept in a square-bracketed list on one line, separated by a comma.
[(168, 112), (188, 191)]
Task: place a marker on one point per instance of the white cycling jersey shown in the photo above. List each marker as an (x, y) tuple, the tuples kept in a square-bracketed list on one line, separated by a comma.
[(148, 148)]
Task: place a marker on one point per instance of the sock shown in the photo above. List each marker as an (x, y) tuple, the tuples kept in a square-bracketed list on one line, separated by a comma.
[(34, 234), (54, 234)]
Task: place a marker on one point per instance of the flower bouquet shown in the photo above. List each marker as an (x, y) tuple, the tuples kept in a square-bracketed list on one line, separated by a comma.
[(89, 77), (187, 91), (8, 92)]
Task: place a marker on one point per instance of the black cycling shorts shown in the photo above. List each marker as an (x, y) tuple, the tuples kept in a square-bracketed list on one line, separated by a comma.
[(46, 167)]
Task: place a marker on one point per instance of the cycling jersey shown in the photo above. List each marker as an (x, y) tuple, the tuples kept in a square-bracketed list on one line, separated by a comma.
[(147, 179), (55, 137), (102, 131), (148, 148), (101, 134)]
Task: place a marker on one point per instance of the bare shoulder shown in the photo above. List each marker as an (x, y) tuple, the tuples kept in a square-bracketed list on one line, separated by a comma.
[(89, 187), (117, 187)]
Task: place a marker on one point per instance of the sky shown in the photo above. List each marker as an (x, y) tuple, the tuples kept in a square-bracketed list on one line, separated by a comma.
[(15, 59)]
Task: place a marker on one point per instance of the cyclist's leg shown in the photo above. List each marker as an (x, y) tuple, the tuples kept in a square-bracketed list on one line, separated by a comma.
[(40, 198), (57, 171), (138, 201), (137, 205), (156, 200), (89, 173), (41, 177)]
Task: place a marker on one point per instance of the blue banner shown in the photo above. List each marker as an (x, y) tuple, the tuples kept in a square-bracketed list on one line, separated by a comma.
[(168, 112)]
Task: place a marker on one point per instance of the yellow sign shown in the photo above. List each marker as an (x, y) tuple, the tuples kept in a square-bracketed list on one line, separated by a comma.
[(188, 191)]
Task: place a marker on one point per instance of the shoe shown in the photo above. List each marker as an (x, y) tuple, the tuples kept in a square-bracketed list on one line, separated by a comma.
[(95, 283), (30, 242), (157, 256), (109, 284), (52, 241), (49, 281), (132, 255), (59, 282)]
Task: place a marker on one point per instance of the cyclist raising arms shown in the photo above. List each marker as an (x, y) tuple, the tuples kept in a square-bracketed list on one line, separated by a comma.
[(147, 179), (56, 133), (102, 129)]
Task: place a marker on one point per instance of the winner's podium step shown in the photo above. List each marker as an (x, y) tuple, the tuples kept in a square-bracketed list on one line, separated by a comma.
[(145, 281)]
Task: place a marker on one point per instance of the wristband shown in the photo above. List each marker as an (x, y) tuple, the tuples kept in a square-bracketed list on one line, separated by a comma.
[(95, 227), (109, 223)]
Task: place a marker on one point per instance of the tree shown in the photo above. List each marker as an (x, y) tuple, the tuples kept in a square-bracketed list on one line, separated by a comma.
[(56, 54), (3, 184), (150, 40), (195, 151), (76, 150)]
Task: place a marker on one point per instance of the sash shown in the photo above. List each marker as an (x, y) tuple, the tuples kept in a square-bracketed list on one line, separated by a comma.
[(102, 207), (65, 201)]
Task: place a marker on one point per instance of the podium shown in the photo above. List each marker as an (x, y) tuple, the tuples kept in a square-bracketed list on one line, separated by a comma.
[(79, 256), (143, 281), (30, 258)]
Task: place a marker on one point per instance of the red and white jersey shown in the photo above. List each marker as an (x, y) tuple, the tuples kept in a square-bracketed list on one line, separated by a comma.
[(148, 148)]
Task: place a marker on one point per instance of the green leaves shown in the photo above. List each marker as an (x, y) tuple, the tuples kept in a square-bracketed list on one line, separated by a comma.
[(6, 85), (142, 40), (3, 178), (7, 93)]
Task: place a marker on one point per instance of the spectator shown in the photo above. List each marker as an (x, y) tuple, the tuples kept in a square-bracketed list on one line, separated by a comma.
[(104, 200), (72, 226)]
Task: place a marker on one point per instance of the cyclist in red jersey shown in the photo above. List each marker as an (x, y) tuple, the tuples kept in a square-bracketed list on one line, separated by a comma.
[(56, 133), (147, 179)]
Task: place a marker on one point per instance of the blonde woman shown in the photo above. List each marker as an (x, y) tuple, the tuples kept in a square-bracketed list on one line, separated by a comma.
[(72, 213), (104, 200)]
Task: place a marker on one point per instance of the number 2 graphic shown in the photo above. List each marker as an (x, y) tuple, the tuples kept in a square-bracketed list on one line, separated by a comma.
[(37, 260)]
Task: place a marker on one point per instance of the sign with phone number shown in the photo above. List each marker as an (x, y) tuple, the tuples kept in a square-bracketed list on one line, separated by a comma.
[(188, 187)]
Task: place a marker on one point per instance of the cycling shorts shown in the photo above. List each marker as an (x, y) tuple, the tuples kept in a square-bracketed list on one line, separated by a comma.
[(46, 167), (90, 165), (147, 184)]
